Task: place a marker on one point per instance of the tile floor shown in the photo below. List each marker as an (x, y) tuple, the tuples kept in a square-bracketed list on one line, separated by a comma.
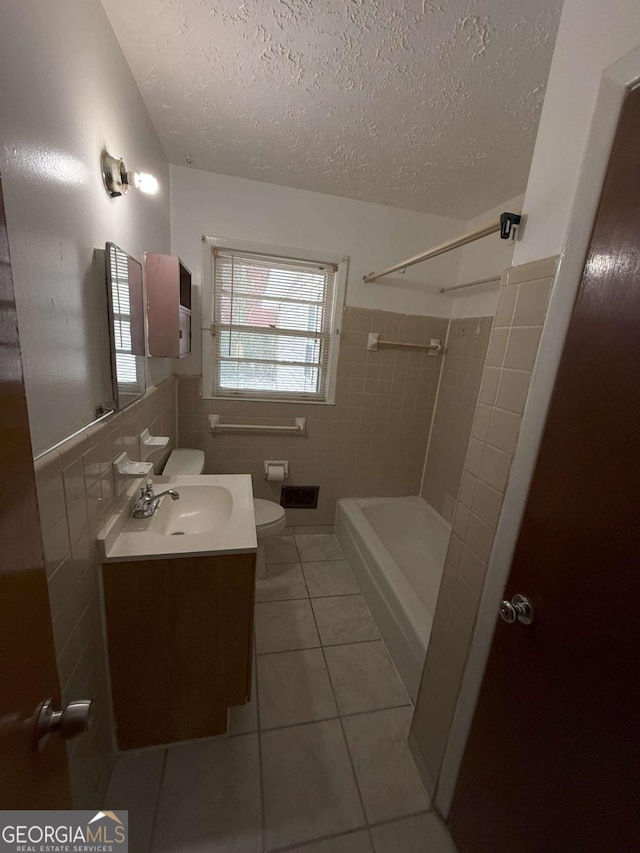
[(318, 761)]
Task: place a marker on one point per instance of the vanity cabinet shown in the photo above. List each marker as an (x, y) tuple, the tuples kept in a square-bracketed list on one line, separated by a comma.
[(180, 641), (168, 286)]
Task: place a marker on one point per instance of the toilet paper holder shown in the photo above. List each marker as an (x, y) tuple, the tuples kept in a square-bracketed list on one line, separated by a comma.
[(276, 463)]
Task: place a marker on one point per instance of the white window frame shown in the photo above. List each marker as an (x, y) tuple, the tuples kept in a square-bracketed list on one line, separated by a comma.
[(208, 307)]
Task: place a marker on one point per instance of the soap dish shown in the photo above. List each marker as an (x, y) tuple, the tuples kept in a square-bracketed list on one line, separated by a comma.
[(126, 469), (151, 443)]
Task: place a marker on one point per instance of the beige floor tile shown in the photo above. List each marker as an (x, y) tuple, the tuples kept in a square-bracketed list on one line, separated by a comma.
[(354, 842), (309, 787), (294, 688), (344, 619), (364, 678), (210, 798), (330, 577), (319, 546), (422, 834), (134, 786), (244, 718), (283, 581), (388, 778), (280, 549), (285, 626)]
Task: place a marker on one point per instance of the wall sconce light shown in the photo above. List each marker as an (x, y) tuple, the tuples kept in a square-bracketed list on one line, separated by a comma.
[(117, 179)]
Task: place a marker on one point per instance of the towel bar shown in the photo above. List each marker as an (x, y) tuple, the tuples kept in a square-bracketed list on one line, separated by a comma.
[(299, 428)]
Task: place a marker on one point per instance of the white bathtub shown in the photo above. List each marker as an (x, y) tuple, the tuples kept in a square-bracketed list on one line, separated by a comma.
[(396, 548)]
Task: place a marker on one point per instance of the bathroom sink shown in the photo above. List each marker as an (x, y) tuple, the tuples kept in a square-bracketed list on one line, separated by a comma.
[(200, 509), (214, 515)]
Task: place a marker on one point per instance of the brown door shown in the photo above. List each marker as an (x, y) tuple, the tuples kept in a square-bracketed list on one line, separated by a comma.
[(553, 758), (28, 779)]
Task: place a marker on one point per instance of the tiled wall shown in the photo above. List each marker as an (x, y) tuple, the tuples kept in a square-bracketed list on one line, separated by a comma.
[(513, 346), (75, 490), (372, 442), (457, 397)]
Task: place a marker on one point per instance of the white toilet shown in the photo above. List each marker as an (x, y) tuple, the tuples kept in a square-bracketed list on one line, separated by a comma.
[(270, 517)]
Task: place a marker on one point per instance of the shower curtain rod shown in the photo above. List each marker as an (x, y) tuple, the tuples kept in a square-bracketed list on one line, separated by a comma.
[(471, 283), (505, 225)]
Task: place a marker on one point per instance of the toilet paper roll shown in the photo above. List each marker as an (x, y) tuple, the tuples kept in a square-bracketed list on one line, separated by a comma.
[(275, 473)]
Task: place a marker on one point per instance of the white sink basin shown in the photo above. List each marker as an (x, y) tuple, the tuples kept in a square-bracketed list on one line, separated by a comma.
[(214, 515), (200, 509)]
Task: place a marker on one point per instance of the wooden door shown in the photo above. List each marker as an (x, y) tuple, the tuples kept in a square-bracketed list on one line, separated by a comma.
[(28, 779), (553, 758)]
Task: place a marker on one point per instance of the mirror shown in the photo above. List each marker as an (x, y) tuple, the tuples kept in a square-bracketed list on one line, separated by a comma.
[(125, 301)]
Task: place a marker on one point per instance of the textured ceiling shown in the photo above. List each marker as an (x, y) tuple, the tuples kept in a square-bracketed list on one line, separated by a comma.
[(411, 103)]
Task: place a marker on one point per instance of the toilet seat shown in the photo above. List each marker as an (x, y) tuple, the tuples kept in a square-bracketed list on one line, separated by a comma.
[(270, 517)]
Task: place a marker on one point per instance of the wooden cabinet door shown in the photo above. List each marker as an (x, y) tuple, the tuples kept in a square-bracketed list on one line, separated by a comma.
[(179, 632), (168, 286), (162, 274), (552, 764), (28, 675)]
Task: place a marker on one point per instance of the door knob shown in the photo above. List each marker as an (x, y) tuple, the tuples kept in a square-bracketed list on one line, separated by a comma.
[(519, 609), (74, 719)]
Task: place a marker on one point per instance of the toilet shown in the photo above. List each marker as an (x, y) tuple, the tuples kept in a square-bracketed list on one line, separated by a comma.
[(270, 517)]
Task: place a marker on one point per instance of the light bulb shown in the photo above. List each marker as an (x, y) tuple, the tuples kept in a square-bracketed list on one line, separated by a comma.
[(145, 182)]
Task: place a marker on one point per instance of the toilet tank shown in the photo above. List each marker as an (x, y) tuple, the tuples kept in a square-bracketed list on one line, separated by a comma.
[(184, 461)]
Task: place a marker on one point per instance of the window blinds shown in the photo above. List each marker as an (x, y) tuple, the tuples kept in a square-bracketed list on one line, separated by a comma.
[(126, 365), (273, 320)]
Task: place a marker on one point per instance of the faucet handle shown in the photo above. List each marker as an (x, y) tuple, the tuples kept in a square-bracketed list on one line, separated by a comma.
[(147, 490)]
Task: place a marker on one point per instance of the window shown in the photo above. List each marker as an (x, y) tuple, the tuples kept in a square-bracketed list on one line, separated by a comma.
[(275, 326)]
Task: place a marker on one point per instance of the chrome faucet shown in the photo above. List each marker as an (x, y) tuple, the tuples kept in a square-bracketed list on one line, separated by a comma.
[(148, 502)]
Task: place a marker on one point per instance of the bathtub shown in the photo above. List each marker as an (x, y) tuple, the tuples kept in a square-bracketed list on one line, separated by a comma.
[(396, 548)]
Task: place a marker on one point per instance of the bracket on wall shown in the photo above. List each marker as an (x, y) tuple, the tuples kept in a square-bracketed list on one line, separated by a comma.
[(509, 223)]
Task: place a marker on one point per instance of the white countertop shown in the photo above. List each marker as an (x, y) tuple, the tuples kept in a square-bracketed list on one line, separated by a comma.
[(126, 538)]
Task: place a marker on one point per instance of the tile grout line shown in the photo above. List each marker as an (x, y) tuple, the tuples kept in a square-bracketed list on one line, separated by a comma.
[(305, 648), (154, 823), (260, 770), (378, 710), (336, 717), (327, 645), (301, 564), (178, 744), (312, 597), (259, 722), (344, 734), (295, 847)]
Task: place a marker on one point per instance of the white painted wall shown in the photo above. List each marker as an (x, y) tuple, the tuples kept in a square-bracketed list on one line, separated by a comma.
[(596, 59), (593, 34), (373, 235), (483, 259), (65, 93)]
